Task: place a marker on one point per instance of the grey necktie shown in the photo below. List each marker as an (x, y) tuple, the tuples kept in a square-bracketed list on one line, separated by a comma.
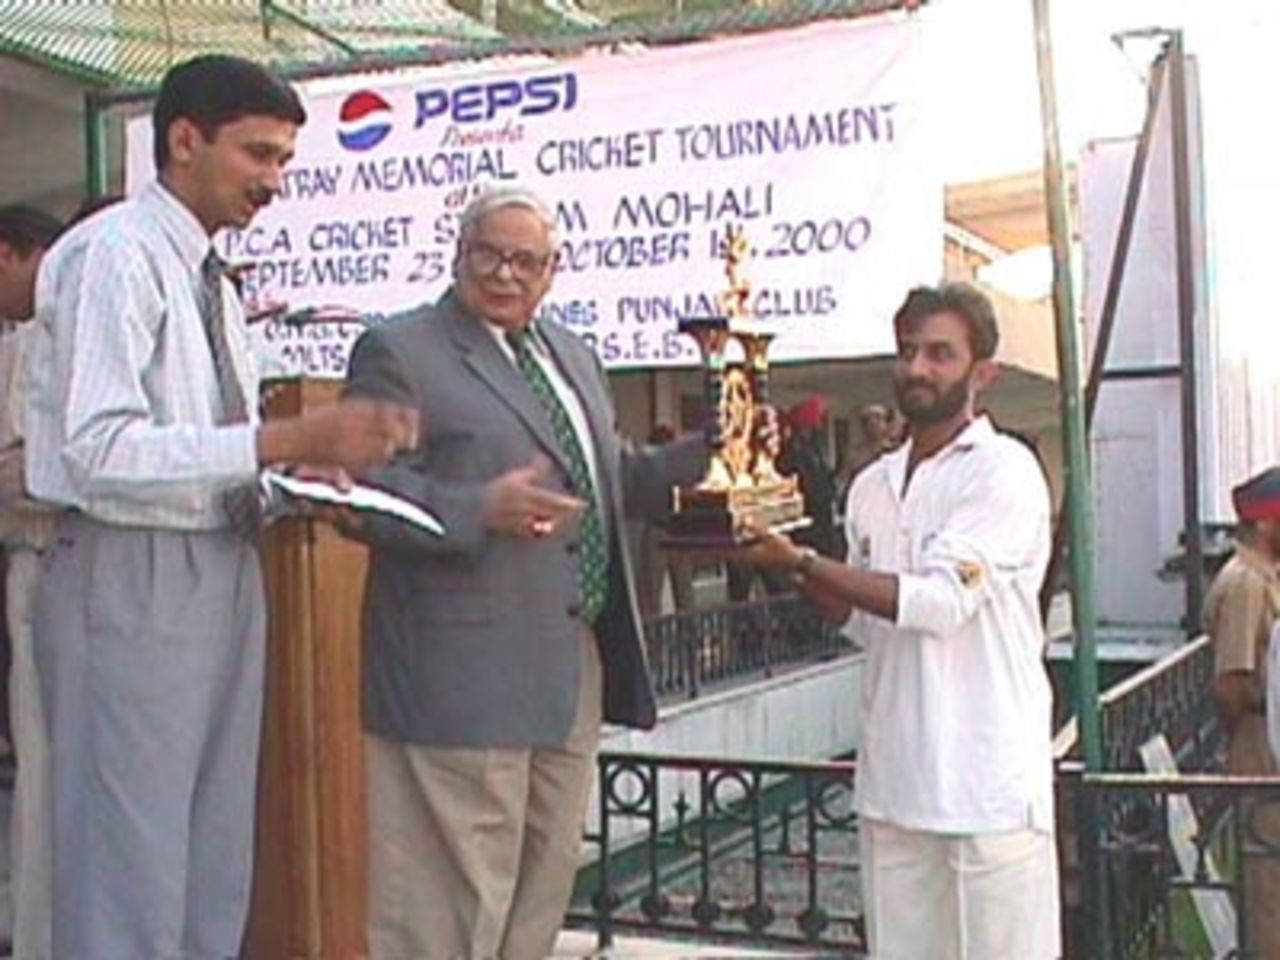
[(242, 503)]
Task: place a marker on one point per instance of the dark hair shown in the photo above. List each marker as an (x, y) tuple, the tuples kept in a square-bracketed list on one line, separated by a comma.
[(212, 91), (966, 302), (27, 229)]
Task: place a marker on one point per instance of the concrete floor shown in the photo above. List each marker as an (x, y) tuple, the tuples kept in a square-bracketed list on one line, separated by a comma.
[(582, 944), (572, 944)]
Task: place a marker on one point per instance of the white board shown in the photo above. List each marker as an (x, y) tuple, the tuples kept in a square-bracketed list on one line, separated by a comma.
[(814, 139)]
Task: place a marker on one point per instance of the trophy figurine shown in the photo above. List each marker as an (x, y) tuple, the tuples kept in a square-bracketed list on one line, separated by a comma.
[(742, 481)]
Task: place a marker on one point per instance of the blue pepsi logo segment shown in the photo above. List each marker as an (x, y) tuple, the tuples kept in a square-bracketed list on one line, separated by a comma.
[(482, 102)]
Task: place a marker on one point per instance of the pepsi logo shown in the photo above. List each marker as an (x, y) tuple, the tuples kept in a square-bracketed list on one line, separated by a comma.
[(364, 120)]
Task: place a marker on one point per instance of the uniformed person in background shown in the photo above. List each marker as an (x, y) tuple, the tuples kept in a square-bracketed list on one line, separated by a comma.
[(1241, 610)]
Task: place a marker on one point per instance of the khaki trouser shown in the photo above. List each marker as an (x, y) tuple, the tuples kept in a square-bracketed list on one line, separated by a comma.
[(473, 852), (1248, 755), (29, 829)]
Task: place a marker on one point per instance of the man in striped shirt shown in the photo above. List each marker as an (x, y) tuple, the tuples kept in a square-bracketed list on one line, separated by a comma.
[(143, 424)]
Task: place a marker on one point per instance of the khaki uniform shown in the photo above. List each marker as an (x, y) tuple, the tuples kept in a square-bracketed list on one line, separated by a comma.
[(1240, 610)]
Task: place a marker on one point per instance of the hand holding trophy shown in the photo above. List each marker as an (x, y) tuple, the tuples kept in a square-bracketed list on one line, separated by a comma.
[(742, 488)]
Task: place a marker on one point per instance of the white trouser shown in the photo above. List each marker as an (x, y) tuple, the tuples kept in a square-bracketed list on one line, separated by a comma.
[(932, 896)]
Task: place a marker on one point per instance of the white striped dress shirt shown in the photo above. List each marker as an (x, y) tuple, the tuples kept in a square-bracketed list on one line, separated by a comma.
[(123, 403)]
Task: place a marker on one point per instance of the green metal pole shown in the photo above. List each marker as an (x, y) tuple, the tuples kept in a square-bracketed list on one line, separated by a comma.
[(95, 147), (1079, 503), (1092, 924)]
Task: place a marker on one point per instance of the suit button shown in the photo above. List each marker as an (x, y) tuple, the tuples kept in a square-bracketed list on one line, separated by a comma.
[(574, 611), (571, 548)]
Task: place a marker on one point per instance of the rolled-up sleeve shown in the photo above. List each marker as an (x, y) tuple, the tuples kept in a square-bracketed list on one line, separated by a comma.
[(986, 543)]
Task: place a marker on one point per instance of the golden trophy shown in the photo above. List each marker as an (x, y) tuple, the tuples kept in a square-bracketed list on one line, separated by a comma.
[(742, 481)]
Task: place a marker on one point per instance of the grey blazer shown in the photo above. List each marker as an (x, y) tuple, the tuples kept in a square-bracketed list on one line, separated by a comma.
[(472, 640)]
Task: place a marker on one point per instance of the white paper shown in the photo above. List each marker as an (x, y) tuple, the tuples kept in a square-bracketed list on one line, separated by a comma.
[(359, 497), (1214, 907)]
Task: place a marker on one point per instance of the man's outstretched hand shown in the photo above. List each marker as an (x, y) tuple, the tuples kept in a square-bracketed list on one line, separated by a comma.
[(355, 435), (765, 548), (520, 504)]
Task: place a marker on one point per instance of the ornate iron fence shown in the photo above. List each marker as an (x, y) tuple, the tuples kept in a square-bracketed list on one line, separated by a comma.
[(758, 852), (691, 651), (724, 850), (1184, 863), (1166, 864)]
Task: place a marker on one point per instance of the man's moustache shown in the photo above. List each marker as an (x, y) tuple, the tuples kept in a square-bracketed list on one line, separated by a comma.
[(913, 384)]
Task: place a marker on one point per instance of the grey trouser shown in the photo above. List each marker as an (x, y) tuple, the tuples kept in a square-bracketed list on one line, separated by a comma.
[(149, 645), (29, 829)]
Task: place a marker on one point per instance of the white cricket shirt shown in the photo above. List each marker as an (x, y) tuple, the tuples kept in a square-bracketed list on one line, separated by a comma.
[(956, 698)]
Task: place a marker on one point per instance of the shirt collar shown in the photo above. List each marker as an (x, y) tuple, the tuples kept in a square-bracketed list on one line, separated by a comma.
[(500, 335), (976, 433), (179, 224)]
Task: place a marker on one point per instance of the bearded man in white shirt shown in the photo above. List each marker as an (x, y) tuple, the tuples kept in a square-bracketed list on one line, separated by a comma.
[(948, 542), (142, 422)]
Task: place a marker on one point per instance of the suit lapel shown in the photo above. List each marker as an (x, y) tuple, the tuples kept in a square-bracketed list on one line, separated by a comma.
[(484, 358)]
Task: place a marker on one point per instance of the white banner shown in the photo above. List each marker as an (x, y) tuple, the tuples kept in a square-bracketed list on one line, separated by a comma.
[(813, 139)]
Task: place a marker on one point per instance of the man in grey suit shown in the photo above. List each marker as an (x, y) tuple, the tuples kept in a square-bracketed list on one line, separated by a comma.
[(493, 653)]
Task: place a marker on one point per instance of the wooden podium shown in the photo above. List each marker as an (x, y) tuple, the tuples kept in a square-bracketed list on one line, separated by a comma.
[(309, 898)]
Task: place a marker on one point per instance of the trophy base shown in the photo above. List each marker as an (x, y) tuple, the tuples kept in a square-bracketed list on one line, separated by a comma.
[(713, 519)]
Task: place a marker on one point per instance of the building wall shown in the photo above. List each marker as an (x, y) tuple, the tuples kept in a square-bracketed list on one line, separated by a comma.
[(41, 138)]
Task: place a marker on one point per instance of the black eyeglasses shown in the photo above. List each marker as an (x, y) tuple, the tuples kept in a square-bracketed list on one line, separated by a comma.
[(487, 260)]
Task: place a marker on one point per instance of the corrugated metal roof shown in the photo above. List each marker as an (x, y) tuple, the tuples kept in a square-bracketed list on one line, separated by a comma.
[(133, 42)]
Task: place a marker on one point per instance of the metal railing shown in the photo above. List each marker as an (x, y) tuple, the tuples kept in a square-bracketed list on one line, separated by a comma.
[(694, 650), (1165, 863), (1155, 865), (1172, 697), (732, 851), (1184, 861)]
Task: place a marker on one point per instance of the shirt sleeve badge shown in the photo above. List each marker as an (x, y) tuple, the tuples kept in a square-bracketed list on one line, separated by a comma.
[(970, 574)]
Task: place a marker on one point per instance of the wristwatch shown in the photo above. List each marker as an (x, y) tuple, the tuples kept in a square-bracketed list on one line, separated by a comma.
[(803, 567)]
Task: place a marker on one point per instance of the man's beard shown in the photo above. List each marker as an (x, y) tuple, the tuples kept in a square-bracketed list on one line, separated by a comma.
[(942, 407)]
